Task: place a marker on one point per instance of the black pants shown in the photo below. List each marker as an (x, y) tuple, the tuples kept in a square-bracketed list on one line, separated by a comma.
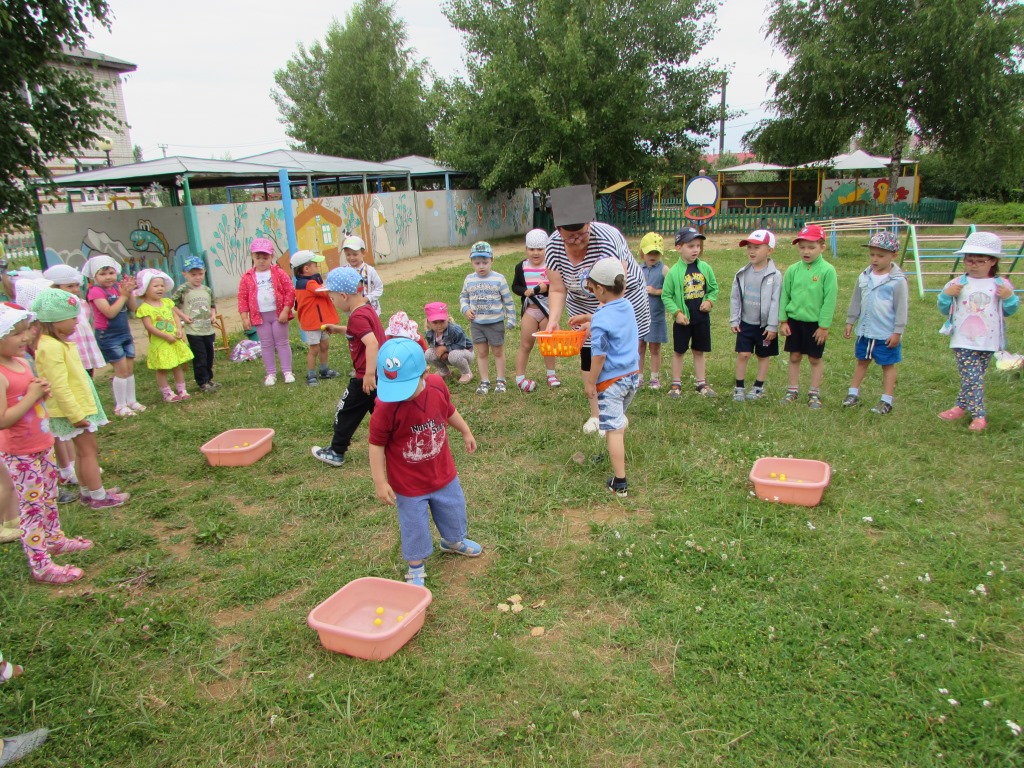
[(353, 406), (202, 357)]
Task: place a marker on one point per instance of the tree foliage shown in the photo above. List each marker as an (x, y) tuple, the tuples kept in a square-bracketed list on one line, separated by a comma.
[(574, 91), (360, 93), (946, 71), (48, 111)]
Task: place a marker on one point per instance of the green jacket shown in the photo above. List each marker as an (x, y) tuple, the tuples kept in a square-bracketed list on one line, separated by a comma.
[(809, 293), (672, 290)]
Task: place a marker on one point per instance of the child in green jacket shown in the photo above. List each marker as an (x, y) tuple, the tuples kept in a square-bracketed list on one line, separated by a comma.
[(689, 292), (806, 307)]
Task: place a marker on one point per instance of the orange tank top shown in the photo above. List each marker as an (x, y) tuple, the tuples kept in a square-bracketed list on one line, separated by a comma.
[(31, 433)]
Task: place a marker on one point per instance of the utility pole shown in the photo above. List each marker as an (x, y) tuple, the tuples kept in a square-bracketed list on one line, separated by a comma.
[(163, 147), (721, 118)]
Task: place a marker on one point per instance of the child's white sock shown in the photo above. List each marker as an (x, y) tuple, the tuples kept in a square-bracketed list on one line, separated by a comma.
[(520, 378), (67, 474), (855, 391), (129, 395), (551, 372), (99, 493), (120, 392)]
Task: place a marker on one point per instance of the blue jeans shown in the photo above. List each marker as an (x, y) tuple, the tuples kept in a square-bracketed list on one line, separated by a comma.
[(448, 508), (613, 402)]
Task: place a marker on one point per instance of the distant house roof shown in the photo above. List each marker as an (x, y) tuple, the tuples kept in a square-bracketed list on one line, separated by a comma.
[(417, 165), (100, 59)]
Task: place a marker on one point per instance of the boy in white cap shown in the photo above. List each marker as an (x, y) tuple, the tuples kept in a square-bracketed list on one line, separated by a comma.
[(315, 310), (365, 334), (410, 459), (614, 374), (354, 250), (878, 308), (754, 312)]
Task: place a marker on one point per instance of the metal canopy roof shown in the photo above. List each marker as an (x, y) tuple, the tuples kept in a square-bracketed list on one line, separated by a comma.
[(417, 165), (201, 172), (322, 165)]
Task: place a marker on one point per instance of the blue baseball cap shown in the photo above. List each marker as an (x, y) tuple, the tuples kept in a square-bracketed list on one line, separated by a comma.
[(341, 280), (481, 250), (192, 262), (400, 364)]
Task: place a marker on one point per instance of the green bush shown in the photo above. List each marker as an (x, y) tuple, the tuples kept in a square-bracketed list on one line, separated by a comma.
[(986, 212)]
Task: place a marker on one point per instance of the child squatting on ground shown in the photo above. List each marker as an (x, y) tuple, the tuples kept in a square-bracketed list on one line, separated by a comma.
[(754, 312), (14, 748), (411, 460), (651, 250), (111, 298), (487, 302), (265, 299), (167, 348), (806, 307), (689, 293), (878, 308), (76, 412), (26, 449), (315, 310), (365, 335), (530, 283), (614, 374), (447, 343), (976, 304), (194, 301)]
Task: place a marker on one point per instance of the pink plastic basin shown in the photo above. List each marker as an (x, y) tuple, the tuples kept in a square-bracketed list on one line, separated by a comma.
[(345, 620), (238, 447), (796, 481)]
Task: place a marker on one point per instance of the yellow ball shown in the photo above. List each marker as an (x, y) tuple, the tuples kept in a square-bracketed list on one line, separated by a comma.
[(380, 611), (399, 617), (245, 445), (323, 327), (773, 475), (377, 622), (782, 477)]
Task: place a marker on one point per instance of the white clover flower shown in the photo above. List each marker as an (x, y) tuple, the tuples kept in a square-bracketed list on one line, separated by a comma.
[(1016, 729), (953, 702), (810, 526), (981, 590), (771, 579), (922, 636), (920, 501), (699, 608), (986, 703), (926, 579), (868, 519), (622, 578), (943, 691)]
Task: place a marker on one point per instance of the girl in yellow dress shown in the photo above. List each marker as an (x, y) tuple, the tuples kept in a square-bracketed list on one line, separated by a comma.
[(167, 348)]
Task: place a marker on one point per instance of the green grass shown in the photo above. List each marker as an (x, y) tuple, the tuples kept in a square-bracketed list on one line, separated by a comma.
[(689, 625)]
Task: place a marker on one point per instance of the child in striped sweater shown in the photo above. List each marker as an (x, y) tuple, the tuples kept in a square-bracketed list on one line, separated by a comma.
[(487, 301)]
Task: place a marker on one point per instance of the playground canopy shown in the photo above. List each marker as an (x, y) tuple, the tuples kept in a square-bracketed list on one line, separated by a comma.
[(201, 172)]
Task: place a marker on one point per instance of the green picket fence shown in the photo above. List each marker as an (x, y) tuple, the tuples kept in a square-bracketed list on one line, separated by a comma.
[(668, 220), (20, 250)]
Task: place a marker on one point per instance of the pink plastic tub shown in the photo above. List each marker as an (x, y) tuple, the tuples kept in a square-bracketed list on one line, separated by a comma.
[(790, 481), (346, 624), (238, 447)]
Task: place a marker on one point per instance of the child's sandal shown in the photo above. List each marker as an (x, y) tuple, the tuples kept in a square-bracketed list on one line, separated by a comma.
[(58, 574), (527, 385), (553, 381), (65, 545), (124, 411), (137, 407), (169, 397)]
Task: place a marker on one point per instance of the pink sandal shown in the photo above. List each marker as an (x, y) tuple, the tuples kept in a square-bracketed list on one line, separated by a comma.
[(124, 411), (58, 574), (553, 380), (170, 397), (64, 545)]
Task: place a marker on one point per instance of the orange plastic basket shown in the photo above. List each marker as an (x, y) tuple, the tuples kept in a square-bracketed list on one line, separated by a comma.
[(560, 343)]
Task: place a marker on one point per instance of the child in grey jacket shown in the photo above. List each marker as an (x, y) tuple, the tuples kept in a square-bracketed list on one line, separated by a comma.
[(754, 312)]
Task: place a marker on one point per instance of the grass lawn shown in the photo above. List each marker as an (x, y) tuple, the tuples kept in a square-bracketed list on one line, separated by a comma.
[(688, 625)]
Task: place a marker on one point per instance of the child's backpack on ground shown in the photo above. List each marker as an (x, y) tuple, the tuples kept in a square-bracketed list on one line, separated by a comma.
[(244, 350)]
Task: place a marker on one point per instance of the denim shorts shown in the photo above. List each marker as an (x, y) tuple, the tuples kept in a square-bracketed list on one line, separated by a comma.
[(115, 345), (613, 402), (447, 507), (875, 349)]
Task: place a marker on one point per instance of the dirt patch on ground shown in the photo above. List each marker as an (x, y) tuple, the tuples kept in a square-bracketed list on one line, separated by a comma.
[(577, 521), (459, 573)]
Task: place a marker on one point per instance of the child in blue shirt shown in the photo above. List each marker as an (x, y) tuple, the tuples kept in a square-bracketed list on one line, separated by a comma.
[(614, 374)]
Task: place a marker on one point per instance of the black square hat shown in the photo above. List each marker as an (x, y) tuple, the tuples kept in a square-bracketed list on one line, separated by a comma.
[(572, 205)]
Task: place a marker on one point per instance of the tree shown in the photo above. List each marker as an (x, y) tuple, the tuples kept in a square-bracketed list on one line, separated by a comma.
[(48, 110), (360, 93), (574, 91), (947, 71)]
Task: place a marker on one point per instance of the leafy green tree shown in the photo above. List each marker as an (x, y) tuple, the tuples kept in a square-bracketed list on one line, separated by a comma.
[(947, 71), (360, 93), (574, 91), (47, 111)]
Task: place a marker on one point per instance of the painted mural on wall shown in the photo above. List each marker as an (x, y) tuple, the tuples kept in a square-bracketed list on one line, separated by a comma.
[(873, 191), (137, 239), (475, 217)]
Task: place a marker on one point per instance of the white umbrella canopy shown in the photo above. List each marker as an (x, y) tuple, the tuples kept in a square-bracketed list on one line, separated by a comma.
[(858, 160), (754, 167)]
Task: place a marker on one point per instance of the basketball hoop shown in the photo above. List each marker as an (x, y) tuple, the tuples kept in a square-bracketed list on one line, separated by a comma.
[(706, 212)]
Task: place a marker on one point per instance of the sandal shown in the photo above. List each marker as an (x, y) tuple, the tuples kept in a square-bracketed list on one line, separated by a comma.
[(64, 545), (675, 391), (553, 381), (137, 407), (527, 385), (183, 395), (466, 547), (125, 411), (58, 574), (169, 397)]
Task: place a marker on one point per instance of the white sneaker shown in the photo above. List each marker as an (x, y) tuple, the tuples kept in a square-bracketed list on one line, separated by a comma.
[(592, 425), (270, 381), (289, 378)]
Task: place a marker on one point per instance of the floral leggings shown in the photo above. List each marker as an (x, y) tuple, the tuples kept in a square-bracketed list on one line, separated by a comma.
[(971, 365), (35, 481)]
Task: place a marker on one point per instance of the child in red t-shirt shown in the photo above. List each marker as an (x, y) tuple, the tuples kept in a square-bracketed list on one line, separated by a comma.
[(411, 462), (365, 334)]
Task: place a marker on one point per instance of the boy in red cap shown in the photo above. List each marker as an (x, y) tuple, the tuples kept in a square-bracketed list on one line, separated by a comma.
[(806, 307)]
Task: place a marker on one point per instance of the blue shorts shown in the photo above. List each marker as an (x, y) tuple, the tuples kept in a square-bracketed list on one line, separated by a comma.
[(447, 506), (875, 349), (613, 402), (115, 345), (751, 339)]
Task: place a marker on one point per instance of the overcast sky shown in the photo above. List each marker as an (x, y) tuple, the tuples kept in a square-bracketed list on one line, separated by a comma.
[(206, 68)]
